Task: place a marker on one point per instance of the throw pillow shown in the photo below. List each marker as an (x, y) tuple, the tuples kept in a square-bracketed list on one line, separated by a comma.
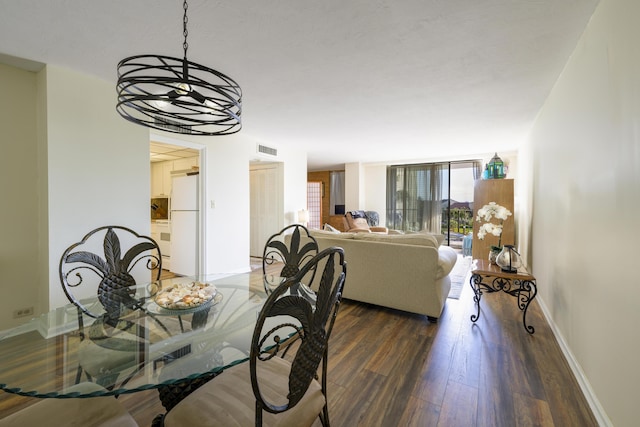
[(328, 227), (403, 239)]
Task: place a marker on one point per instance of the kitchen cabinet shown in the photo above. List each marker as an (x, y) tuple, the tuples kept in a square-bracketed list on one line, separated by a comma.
[(188, 163), (161, 178), (161, 174)]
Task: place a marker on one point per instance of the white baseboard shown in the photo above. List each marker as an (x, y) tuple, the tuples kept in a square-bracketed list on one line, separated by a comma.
[(585, 386)]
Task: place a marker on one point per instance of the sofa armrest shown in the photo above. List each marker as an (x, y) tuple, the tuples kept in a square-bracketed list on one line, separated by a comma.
[(447, 258)]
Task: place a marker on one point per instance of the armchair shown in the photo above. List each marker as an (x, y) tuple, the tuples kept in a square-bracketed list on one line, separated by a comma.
[(363, 222)]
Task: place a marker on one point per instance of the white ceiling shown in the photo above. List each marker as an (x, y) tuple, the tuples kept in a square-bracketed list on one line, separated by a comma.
[(346, 80), (160, 152)]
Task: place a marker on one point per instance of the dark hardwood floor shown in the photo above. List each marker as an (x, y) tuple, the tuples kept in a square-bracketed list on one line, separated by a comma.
[(391, 368)]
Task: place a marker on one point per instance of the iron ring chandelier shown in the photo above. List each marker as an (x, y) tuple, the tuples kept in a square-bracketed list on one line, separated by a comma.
[(177, 95)]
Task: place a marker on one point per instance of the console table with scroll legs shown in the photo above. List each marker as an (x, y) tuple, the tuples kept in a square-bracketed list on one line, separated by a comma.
[(487, 277)]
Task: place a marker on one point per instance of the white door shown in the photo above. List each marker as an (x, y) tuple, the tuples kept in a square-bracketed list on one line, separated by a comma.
[(266, 207)]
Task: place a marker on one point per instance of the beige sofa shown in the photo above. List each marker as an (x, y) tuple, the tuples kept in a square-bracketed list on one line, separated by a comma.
[(407, 272)]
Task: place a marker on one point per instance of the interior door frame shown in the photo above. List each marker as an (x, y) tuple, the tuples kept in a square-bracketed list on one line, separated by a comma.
[(278, 193), (202, 191)]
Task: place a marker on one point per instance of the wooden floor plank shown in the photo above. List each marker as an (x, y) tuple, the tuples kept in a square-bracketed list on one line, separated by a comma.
[(495, 399), (460, 405), (419, 413), (531, 412), (391, 398)]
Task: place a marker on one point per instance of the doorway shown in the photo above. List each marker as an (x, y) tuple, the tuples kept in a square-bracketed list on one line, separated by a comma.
[(171, 159), (266, 204), (457, 194)]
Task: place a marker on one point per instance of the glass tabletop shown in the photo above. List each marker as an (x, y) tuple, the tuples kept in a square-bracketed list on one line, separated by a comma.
[(140, 348)]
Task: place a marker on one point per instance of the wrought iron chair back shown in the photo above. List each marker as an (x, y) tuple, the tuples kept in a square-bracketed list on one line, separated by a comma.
[(96, 264), (302, 247), (301, 332), (109, 273)]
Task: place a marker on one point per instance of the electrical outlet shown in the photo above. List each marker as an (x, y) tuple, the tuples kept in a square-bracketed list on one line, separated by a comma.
[(23, 312)]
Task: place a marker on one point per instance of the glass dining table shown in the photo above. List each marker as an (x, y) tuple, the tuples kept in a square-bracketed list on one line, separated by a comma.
[(145, 347)]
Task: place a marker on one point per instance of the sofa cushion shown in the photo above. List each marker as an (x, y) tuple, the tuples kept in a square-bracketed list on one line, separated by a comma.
[(439, 237), (447, 258), (402, 239), (323, 233)]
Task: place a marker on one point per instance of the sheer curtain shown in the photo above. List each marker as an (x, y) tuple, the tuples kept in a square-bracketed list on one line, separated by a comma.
[(432, 209), (337, 192), (414, 197), (477, 169), (394, 199)]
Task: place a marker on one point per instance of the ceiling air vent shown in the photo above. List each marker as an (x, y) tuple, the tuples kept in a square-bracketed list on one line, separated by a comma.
[(263, 149)]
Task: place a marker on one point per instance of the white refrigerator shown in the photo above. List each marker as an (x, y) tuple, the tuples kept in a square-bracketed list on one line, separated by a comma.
[(184, 225)]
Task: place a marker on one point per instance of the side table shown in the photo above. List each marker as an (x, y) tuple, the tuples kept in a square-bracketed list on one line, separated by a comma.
[(487, 277)]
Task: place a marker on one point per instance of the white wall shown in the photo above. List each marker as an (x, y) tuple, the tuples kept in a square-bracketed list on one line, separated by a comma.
[(227, 175), (375, 191), (584, 157), (97, 165), (19, 189), (227, 220), (295, 183), (354, 187)]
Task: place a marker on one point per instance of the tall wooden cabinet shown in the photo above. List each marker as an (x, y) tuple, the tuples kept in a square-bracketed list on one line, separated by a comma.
[(501, 192)]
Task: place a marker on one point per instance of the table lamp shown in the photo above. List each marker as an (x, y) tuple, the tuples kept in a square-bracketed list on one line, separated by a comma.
[(303, 217)]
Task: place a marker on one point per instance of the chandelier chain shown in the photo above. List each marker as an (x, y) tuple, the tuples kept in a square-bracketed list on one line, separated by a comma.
[(185, 19)]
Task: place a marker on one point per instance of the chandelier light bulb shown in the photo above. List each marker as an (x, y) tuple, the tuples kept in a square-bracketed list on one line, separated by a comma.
[(183, 89)]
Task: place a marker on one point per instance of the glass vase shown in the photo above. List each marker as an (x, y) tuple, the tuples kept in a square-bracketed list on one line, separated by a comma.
[(508, 259)]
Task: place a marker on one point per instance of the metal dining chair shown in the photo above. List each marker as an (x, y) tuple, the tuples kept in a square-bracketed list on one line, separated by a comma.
[(99, 264), (292, 247), (292, 256), (280, 384)]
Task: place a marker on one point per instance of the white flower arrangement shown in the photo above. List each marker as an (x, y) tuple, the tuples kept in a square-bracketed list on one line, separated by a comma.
[(486, 213)]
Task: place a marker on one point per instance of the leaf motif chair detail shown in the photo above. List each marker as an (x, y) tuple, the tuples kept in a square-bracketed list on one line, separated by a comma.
[(301, 249), (289, 344), (294, 256), (115, 290), (83, 272)]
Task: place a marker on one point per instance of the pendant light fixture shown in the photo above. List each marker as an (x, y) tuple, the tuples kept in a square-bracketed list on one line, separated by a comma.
[(177, 95)]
